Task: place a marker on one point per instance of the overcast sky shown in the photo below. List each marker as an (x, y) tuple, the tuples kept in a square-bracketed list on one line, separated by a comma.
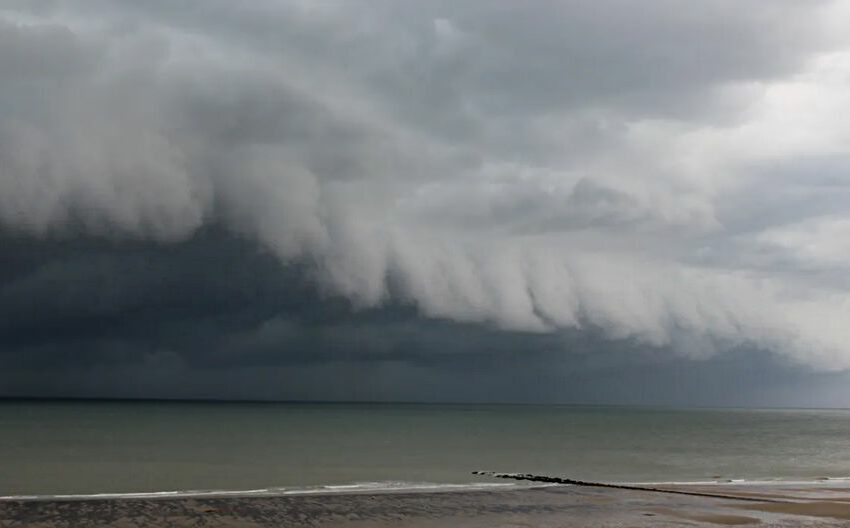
[(479, 200)]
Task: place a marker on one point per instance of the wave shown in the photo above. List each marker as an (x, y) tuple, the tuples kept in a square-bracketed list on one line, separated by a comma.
[(377, 486), (740, 481), (400, 486)]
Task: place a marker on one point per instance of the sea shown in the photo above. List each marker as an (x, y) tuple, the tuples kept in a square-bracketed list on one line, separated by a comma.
[(148, 448)]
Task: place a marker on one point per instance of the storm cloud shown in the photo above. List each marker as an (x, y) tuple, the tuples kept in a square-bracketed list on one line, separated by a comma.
[(204, 186)]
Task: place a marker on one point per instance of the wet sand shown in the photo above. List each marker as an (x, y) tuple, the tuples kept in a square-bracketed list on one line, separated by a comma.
[(553, 506)]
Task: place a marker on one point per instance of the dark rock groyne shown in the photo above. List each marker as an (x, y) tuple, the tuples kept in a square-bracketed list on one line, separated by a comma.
[(558, 480)]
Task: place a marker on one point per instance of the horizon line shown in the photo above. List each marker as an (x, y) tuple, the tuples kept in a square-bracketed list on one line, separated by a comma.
[(131, 399)]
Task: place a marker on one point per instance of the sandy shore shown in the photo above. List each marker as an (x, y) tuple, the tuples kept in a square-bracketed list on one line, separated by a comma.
[(561, 506)]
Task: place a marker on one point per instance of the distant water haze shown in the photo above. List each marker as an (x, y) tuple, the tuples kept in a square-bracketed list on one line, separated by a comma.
[(72, 447)]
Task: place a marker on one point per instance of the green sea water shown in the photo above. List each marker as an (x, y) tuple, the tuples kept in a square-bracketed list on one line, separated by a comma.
[(74, 447)]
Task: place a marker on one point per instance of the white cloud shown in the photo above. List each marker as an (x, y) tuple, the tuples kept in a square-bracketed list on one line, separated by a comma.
[(536, 168), (815, 243)]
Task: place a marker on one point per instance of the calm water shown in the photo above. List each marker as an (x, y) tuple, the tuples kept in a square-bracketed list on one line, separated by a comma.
[(89, 447)]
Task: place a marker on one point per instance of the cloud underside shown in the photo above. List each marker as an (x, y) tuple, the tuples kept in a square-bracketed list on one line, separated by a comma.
[(216, 316), (423, 181)]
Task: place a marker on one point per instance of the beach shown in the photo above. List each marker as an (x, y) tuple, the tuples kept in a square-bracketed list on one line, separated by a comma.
[(786, 504)]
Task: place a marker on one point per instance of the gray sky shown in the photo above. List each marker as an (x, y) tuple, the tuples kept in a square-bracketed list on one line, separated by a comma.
[(480, 200)]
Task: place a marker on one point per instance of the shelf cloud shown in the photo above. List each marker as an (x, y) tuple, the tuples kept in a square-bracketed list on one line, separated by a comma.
[(386, 181)]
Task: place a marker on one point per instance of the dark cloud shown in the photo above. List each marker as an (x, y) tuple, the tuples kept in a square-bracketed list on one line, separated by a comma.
[(217, 316), (419, 191)]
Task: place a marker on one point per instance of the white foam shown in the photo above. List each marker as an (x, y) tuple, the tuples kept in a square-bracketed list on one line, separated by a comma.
[(399, 486), (741, 482), (379, 486), (139, 495)]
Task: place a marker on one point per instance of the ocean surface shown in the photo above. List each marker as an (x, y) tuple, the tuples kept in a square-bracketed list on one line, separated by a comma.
[(82, 448)]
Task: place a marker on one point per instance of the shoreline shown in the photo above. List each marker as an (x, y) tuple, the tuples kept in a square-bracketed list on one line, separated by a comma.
[(340, 489), (778, 504), (380, 487)]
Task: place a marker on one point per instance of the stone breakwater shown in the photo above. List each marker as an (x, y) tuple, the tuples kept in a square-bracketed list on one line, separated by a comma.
[(558, 480)]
